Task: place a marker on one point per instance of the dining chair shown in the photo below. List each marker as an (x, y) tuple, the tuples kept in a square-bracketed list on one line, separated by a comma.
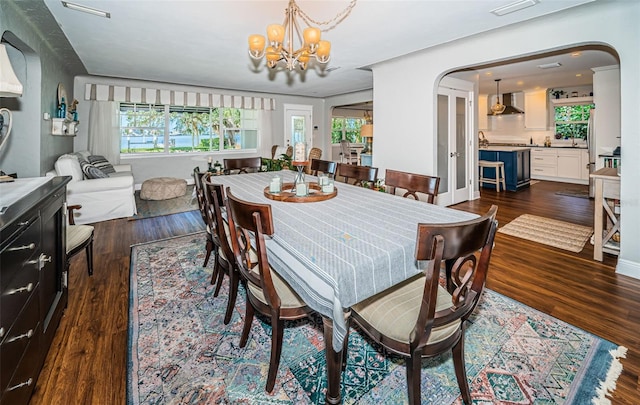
[(314, 153), (413, 183), (266, 291), (420, 318), (225, 260), (323, 166), (242, 165), (347, 155), (79, 238), (364, 176), (198, 188)]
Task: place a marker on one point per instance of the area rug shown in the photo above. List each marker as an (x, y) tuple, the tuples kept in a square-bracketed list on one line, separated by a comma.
[(181, 352), (560, 234), (150, 208), (580, 193)]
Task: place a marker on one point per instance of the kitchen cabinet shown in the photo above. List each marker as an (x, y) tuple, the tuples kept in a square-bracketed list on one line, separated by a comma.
[(516, 166), (33, 283), (569, 165), (536, 110)]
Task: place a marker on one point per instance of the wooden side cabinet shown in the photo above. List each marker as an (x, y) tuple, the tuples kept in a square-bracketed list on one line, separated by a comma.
[(33, 284)]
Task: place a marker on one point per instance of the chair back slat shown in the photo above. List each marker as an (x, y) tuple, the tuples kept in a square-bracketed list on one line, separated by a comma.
[(413, 183), (323, 166), (197, 180), (360, 175), (242, 165)]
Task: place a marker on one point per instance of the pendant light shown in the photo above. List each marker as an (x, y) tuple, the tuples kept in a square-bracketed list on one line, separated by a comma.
[(497, 108)]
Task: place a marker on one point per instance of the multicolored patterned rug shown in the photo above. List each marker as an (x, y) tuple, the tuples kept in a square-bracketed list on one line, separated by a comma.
[(181, 352)]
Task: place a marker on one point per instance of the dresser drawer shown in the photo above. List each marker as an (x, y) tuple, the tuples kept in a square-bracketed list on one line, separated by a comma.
[(24, 331), (19, 389)]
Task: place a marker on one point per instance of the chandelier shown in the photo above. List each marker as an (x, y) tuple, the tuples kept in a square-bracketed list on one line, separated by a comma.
[(281, 54), (498, 108)]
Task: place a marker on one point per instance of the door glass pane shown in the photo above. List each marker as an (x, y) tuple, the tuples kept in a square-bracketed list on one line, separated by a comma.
[(461, 140), (443, 142), (297, 129)]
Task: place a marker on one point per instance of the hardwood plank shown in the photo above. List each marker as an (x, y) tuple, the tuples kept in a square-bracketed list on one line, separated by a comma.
[(87, 361)]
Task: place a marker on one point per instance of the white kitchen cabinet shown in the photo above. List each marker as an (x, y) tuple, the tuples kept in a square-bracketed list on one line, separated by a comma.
[(567, 165), (536, 109)]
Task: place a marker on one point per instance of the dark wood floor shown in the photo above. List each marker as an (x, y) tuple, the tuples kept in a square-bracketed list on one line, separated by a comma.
[(87, 361)]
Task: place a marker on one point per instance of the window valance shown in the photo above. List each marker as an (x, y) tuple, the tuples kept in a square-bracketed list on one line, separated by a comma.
[(104, 92)]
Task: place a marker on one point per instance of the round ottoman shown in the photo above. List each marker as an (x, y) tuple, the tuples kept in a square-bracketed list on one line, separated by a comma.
[(163, 188)]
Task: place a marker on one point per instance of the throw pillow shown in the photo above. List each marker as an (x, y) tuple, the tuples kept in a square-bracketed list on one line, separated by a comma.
[(101, 163), (92, 172)]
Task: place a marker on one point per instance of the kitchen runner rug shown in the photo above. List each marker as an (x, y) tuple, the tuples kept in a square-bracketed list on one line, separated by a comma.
[(181, 352), (151, 208), (560, 234)]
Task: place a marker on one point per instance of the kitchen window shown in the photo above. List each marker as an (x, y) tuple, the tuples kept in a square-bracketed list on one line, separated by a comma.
[(148, 128), (572, 120), (346, 128)]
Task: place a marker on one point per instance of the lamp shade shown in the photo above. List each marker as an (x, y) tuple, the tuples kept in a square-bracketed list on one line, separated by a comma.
[(366, 131), (10, 86)]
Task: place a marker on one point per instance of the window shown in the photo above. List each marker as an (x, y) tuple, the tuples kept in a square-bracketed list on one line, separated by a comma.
[(346, 128), (572, 120), (147, 128)]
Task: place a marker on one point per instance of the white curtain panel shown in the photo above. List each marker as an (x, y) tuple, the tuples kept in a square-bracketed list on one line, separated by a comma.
[(265, 118), (104, 135)]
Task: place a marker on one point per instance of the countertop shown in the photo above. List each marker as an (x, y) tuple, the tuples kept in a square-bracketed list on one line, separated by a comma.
[(514, 148)]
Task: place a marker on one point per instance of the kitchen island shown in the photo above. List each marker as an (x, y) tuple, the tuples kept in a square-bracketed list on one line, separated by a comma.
[(517, 164)]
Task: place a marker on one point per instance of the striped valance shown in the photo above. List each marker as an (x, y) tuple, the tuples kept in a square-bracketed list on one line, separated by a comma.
[(104, 92)]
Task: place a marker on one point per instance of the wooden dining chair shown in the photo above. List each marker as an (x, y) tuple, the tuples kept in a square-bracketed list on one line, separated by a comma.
[(323, 166), (364, 176), (420, 318), (225, 263), (198, 188), (79, 238), (413, 183), (242, 165), (267, 292)]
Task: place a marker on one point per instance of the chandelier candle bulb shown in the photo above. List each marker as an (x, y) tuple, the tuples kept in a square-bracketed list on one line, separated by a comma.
[(311, 37), (323, 51), (275, 32), (256, 44)]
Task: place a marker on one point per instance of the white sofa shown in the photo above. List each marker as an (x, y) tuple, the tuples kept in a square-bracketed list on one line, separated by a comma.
[(101, 199)]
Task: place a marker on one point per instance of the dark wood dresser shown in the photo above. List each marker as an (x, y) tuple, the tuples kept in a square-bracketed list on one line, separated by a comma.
[(33, 282)]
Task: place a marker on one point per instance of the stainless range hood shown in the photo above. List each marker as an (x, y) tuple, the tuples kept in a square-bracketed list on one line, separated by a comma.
[(507, 100)]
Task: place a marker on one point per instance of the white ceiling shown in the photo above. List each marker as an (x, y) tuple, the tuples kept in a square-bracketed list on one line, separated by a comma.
[(204, 42)]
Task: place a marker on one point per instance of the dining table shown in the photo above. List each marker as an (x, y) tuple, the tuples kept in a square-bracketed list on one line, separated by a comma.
[(340, 251)]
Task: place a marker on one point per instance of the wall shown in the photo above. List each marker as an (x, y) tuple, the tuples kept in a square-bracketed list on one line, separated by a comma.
[(406, 127), (31, 149), (178, 165)]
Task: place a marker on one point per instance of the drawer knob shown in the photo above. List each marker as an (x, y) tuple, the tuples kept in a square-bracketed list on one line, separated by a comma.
[(24, 335), (27, 288), (30, 246), (23, 384)]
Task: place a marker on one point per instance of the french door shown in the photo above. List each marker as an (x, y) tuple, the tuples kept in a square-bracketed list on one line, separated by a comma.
[(298, 124), (454, 157)]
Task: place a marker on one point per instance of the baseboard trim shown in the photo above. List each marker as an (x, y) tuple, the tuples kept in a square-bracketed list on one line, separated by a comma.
[(628, 268)]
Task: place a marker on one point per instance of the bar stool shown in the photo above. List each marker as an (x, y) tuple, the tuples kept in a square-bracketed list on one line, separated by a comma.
[(499, 173)]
